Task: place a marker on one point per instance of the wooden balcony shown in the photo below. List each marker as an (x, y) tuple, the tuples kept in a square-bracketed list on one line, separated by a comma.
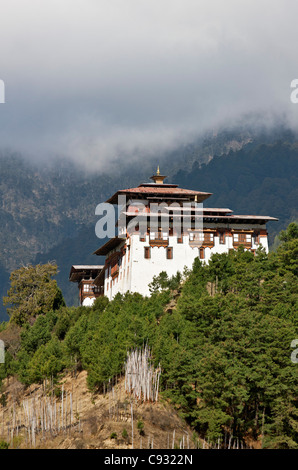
[(206, 242), (201, 243), (246, 244), (159, 242)]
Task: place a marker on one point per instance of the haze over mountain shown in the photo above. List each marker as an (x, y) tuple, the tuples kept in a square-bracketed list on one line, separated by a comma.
[(105, 81), (48, 212)]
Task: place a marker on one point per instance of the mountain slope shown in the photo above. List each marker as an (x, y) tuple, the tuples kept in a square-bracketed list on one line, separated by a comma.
[(100, 421), (254, 180), (48, 212)]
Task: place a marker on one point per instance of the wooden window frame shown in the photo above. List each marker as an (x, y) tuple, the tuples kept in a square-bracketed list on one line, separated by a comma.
[(222, 237), (169, 252), (147, 250), (242, 239)]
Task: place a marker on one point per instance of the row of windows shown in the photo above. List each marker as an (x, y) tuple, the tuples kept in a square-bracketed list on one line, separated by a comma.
[(87, 288), (204, 237), (117, 278), (169, 252), (120, 260)]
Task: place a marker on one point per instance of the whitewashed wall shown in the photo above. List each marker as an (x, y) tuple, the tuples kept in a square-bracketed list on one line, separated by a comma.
[(136, 273)]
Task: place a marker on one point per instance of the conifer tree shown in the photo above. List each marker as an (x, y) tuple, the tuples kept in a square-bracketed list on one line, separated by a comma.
[(32, 292)]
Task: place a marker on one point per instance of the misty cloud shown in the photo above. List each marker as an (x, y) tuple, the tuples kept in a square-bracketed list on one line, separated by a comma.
[(99, 80)]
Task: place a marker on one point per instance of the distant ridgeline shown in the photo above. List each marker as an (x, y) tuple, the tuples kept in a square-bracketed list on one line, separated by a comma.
[(259, 178)]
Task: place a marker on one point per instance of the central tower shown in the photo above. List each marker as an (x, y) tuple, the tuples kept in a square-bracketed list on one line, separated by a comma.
[(146, 245)]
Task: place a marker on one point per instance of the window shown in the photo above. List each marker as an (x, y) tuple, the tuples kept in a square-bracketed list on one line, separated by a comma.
[(159, 235), (170, 253), (202, 253), (242, 238), (208, 237), (115, 268), (221, 236), (159, 239), (147, 252), (180, 239), (202, 237)]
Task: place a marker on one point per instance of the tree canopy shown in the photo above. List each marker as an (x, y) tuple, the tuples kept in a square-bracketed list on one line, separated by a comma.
[(221, 332), (33, 292)]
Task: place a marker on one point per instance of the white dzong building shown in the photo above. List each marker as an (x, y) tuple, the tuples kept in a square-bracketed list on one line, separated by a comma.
[(136, 255)]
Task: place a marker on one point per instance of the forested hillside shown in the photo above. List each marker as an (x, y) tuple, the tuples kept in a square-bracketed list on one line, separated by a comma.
[(221, 333), (47, 211), (260, 179)]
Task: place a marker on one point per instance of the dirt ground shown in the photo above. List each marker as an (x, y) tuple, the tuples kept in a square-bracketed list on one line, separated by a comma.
[(91, 421)]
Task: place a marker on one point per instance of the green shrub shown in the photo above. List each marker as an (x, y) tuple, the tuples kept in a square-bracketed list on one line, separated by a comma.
[(4, 445), (140, 426)]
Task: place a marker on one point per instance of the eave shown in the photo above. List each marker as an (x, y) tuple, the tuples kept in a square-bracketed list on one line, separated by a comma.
[(107, 247)]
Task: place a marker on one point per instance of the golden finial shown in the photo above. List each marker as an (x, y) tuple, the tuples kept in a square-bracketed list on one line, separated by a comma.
[(158, 178)]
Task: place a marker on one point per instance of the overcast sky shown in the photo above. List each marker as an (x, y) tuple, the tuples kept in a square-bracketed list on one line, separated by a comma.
[(101, 79)]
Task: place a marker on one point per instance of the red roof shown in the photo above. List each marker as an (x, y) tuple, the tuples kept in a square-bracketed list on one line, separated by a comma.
[(159, 190)]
